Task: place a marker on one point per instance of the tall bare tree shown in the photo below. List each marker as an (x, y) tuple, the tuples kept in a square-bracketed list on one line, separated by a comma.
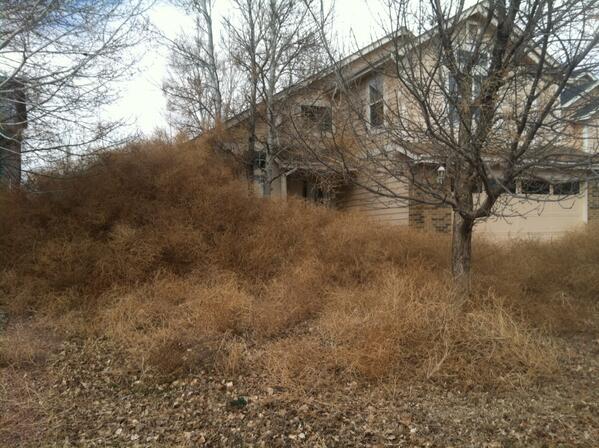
[(275, 42), (63, 56), (464, 103), (290, 35), (201, 88), (246, 36)]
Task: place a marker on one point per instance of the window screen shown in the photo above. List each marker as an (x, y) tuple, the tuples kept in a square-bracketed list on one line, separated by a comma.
[(535, 186), (566, 188)]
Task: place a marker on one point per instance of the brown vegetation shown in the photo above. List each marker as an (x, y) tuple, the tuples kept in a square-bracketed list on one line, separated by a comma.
[(163, 251)]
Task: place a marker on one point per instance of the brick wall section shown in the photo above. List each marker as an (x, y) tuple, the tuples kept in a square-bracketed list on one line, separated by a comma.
[(593, 203), (431, 218)]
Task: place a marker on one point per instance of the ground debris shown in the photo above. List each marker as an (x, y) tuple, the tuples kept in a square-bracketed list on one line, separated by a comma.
[(88, 404)]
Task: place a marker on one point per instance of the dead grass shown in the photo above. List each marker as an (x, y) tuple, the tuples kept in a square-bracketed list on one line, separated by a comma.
[(24, 345), (161, 249)]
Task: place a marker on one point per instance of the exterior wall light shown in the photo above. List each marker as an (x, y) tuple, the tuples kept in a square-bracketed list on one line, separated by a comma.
[(440, 174)]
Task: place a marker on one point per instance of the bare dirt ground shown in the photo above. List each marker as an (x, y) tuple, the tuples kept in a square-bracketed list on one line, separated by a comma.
[(82, 396)]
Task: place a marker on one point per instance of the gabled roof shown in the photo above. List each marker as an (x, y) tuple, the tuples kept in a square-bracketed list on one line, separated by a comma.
[(328, 71), (352, 58), (569, 96)]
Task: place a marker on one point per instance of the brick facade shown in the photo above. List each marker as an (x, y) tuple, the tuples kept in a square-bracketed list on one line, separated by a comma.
[(593, 201), (431, 218)]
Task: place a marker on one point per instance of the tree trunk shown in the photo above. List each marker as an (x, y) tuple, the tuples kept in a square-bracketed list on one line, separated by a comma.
[(272, 137), (267, 180), (206, 9), (461, 252), (271, 143)]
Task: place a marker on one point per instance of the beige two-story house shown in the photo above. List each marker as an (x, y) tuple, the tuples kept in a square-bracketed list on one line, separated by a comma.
[(361, 106)]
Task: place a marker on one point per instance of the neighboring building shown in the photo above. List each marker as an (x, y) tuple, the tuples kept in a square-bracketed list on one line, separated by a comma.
[(315, 105), (13, 121)]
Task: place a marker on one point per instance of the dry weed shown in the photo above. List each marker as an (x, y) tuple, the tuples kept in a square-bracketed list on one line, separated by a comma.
[(161, 249)]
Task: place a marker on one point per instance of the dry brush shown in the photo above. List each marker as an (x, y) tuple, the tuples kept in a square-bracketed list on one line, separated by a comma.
[(161, 249)]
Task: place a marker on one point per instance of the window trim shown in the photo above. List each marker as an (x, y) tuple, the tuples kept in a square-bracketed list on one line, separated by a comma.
[(524, 183), (377, 78)]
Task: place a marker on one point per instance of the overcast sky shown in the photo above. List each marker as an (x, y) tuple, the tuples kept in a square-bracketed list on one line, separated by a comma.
[(143, 103)]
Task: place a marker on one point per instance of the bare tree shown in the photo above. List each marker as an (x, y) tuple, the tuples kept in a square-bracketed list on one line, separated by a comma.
[(462, 104), (275, 42), (290, 34), (246, 36), (202, 88), (64, 56)]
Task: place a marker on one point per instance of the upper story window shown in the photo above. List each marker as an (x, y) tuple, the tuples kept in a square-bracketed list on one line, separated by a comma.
[(376, 105), (259, 161), (472, 31), (320, 116), (478, 62), (454, 98)]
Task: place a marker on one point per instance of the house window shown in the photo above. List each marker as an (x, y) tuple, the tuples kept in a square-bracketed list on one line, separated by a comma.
[(376, 106), (259, 161), (566, 188), (535, 186), (472, 32), (454, 98), (320, 116), (452, 90)]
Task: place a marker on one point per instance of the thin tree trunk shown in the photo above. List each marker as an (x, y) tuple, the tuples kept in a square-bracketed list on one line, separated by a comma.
[(267, 186), (271, 146), (252, 126), (206, 8), (253, 88), (271, 139), (461, 252)]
